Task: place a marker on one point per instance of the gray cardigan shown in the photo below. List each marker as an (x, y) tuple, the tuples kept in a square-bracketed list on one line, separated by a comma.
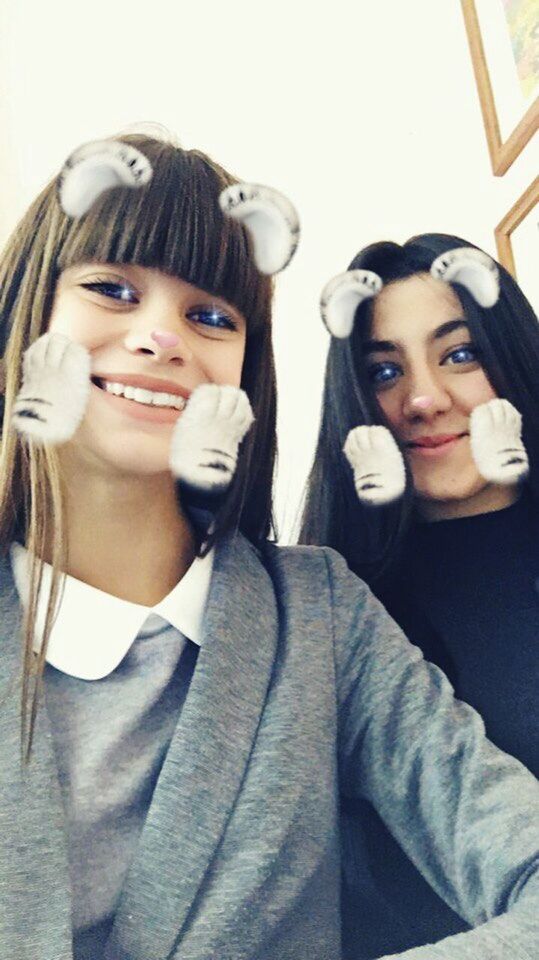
[(305, 691)]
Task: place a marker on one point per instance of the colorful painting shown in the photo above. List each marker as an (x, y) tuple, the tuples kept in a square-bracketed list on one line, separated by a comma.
[(523, 22)]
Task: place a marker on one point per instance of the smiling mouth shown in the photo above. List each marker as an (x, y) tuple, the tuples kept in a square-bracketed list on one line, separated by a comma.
[(432, 443), (151, 399)]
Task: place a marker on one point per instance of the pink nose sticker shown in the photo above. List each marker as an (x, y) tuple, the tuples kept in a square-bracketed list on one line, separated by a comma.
[(422, 402), (165, 339)]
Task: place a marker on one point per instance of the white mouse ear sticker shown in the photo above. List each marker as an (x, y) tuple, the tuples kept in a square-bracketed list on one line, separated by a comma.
[(342, 296), (473, 269), (270, 218), (96, 167)]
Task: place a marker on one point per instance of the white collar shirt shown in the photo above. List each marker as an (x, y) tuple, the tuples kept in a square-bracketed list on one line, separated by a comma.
[(93, 630)]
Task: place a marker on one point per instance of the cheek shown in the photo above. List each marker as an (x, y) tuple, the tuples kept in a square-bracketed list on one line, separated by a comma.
[(391, 406), (224, 366), (80, 326), (474, 390)]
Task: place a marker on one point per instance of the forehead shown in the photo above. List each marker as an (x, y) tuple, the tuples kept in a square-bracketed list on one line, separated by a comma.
[(412, 308)]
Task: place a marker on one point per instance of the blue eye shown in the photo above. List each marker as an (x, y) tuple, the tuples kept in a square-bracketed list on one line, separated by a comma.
[(465, 354), (114, 291), (383, 374), (212, 317)]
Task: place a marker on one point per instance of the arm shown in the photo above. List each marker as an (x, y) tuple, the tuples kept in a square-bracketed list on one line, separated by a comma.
[(464, 812)]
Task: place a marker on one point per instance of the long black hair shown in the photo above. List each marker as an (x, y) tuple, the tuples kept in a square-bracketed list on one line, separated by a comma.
[(507, 336)]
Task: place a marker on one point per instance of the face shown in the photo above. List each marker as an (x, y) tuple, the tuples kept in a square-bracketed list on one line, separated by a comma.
[(138, 322), (428, 378)]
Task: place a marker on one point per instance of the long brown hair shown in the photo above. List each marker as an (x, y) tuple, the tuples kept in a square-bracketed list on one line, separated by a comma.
[(173, 224)]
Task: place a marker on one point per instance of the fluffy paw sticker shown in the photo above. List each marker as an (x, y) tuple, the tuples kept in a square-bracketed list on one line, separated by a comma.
[(55, 389), (206, 437), (379, 472), (496, 442)]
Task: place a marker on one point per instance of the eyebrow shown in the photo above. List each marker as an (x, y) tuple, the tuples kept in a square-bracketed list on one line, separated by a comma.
[(374, 346)]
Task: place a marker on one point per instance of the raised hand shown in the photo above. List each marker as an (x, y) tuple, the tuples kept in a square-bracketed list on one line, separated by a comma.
[(53, 397), (379, 472)]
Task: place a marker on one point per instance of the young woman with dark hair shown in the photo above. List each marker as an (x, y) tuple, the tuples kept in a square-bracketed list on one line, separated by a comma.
[(198, 705), (455, 558)]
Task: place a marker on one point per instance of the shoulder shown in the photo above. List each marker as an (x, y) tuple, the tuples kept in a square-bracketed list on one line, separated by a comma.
[(313, 571), (308, 575), (302, 559)]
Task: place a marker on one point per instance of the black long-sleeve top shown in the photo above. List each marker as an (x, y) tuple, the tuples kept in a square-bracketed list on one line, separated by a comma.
[(466, 591)]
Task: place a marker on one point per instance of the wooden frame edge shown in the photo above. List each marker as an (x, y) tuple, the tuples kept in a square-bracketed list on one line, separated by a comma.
[(502, 153), (502, 234)]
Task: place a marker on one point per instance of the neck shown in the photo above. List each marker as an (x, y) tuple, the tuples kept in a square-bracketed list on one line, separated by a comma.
[(127, 535), (491, 498)]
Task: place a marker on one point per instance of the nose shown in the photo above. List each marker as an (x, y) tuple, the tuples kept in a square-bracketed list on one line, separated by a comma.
[(426, 397), (165, 345), (165, 339), (421, 403)]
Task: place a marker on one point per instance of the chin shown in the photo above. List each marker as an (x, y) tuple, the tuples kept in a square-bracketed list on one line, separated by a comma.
[(463, 500), (133, 457), (450, 489), (135, 464), (134, 468)]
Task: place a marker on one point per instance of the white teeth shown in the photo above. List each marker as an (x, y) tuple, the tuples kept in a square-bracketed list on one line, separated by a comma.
[(115, 388), (145, 396)]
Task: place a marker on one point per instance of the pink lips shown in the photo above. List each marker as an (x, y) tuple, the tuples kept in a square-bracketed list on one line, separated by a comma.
[(436, 441), (433, 447)]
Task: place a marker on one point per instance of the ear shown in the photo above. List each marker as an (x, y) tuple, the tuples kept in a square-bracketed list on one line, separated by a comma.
[(473, 269), (271, 220), (342, 296), (96, 167)]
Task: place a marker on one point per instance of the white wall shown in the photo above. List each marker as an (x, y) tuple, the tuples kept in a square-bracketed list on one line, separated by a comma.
[(365, 114)]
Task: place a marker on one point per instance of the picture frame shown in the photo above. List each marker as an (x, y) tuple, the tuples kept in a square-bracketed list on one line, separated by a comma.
[(507, 83), (514, 251)]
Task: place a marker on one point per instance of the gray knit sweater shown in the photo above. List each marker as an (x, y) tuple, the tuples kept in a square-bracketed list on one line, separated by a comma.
[(304, 692), (111, 737)]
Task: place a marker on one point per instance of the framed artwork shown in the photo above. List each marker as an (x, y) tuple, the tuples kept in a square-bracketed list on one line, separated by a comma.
[(517, 242), (503, 36)]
